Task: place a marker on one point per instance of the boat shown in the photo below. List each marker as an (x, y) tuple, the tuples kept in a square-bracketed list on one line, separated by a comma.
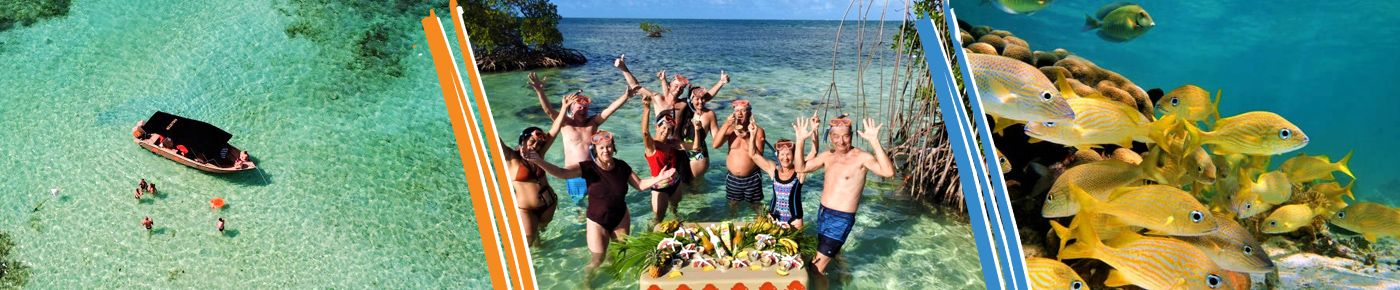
[(191, 142)]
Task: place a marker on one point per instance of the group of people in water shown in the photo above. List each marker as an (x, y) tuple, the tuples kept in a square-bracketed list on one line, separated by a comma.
[(150, 188), (676, 153)]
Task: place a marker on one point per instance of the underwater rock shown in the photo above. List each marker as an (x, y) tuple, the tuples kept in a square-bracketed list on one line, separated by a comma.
[(980, 31), (1052, 71), (1044, 59), (1018, 52), (1082, 69), (1079, 88), (982, 48), (1061, 53), (1002, 33), (1116, 94), (1084, 157), (1016, 41), (1127, 155), (993, 40), (966, 38)]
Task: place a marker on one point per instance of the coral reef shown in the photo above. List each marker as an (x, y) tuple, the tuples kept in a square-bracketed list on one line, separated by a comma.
[(27, 12)]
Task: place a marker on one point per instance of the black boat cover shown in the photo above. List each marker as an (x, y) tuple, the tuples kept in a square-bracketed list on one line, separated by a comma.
[(199, 137)]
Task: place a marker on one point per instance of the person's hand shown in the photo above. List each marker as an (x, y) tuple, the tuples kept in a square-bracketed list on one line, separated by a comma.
[(870, 130), (813, 120), (632, 91), (536, 82), (723, 77), (532, 157), (620, 62), (667, 173), (661, 74), (697, 122), (569, 100), (800, 127)]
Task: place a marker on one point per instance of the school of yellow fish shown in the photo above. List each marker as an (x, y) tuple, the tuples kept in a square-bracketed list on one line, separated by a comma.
[(1173, 216)]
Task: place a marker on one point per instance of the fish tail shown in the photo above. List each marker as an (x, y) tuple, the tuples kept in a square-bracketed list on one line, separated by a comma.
[(1087, 203), (1062, 232), (1089, 23), (1347, 190), (1215, 108), (1343, 164), (1087, 243)]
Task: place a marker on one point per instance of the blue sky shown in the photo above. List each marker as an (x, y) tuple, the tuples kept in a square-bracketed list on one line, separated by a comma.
[(723, 9)]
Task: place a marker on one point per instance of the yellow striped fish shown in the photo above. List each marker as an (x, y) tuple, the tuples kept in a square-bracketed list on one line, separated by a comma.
[(1331, 194), (1162, 209), (1233, 248), (1289, 218), (1253, 133), (1099, 179), (1246, 204), (1304, 168), (1190, 102), (1011, 89), (1051, 274), (1096, 121), (1368, 219), (1148, 262), (1272, 187), (1161, 167), (1205, 171), (1003, 162)]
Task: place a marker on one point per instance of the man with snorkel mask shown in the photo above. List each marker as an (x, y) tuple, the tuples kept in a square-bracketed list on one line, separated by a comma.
[(844, 179)]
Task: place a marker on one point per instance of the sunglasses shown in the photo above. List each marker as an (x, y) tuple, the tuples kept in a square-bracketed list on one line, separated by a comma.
[(842, 122), (741, 104), (602, 136), (783, 145)]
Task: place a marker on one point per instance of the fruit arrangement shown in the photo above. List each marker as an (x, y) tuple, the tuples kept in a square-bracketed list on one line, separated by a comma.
[(675, 247)]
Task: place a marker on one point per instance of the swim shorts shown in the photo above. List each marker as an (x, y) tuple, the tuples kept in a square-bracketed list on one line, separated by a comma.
[(746, 188), (578, 189), (832, 228)]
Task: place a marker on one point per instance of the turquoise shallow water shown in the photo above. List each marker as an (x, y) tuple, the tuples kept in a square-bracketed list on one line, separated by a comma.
[(784, 68), (1328, 67), (363, 190)]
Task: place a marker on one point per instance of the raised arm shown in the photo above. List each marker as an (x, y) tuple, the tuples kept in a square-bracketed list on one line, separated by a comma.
[(510, 154), (816, 146), (881, 166), (723, 80), (724, 133), (639, 184), (616, 104), (646, 127), (538, 84), (559, 118), (804, 130), (566, 172), (763, 163), (621, 64)]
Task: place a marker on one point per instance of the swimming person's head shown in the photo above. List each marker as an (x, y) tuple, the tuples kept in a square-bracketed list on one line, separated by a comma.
[(742, 112), (531, 138), (602, 146), (785, 149), (698, 97), (839, 132)]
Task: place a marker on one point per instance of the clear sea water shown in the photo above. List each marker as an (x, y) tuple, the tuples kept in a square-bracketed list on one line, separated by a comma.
[(784, 67), (364, 190), (1329, 67)]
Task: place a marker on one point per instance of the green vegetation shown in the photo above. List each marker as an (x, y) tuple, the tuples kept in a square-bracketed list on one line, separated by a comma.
[(654, 30), (365, 41), (934, 176), (516, 34), (13, 275), (26, 12)]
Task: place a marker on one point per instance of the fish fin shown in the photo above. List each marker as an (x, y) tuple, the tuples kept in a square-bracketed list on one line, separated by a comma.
[(1089, 23), (1062, 232), (1103, 11), (1170, 219), (1066, 90), (1087, 203), (1087, 243), (1347, 191), (1088, 147), (1125, 143), (1343, 165), (1002, 124), (1116, 279), (1033, 140), (1215, 107)]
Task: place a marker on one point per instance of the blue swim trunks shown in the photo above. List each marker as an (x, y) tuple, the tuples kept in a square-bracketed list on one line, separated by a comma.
[(578, 189), (832, 228)]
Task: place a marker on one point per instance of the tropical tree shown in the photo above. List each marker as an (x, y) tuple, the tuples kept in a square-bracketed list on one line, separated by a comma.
[(516, 34), (654, 30)]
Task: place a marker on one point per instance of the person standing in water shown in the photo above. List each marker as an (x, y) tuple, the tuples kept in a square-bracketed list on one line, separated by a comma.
[(786, 206), (844, 179), (576, 126), (535, 200), (662, 152), (148, 223), (703, 121), (608, 180), (743, 184), (221, 224)]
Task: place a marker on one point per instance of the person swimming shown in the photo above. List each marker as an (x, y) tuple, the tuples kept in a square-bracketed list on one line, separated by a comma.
[(148, 223), (844, 179), (221, 224), (608, 180)]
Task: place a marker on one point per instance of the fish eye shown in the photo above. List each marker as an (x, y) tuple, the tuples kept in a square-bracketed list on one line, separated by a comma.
[(1196, 216), (1076, 285), (1213, 281), (1049, 197), (1050, 124), (1285, 133), (1046, 96), (1341, 214), (1200, 169), (1248, 250), (1273, 223), (1248, 205), (1176, 101)]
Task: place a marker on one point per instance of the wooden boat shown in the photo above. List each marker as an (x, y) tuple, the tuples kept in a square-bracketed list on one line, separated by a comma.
[(192, 143)]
